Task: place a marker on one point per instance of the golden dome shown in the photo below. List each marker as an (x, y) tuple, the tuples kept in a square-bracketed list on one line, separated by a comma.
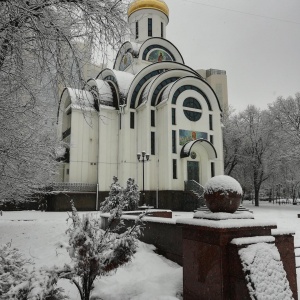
[(152, 4)]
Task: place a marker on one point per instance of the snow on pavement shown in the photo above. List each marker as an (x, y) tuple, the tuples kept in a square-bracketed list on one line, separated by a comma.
[(41, 237)]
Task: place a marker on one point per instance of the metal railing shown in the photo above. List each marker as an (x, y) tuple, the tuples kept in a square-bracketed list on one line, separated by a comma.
[(73, 187), (196, 188)]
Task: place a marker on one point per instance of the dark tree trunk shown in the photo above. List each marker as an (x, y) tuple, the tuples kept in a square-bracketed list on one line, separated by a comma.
[(256, 196)]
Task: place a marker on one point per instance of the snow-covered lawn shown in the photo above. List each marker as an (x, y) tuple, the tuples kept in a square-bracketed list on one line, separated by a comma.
[(41, 237)]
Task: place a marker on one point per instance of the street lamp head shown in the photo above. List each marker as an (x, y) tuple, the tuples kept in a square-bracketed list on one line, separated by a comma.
[(138, 156), (147, 156), (143, 153)]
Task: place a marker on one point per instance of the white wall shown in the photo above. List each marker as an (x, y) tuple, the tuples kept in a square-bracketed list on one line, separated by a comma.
[(83, 147), (108, 147), (141, 16)]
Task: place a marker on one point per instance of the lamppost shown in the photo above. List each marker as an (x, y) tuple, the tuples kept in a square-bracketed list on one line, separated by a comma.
[(142, 158)]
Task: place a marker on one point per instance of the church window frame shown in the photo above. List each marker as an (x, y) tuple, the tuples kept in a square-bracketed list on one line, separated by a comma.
[(192, 109), (136, 30), (174, 164), (152, 143), (211, 122), (132, 120), (162, 29), (212, 169), (193, 88), (150, 27), (173, 116), (152, 118), (174, 148)]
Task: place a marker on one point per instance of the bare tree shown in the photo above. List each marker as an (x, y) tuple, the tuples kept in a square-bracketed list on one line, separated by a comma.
[(249, 144), (286, 115), (232, 141), (43, 45)]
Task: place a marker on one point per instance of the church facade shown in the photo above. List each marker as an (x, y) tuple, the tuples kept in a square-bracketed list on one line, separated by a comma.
[(150, 102)]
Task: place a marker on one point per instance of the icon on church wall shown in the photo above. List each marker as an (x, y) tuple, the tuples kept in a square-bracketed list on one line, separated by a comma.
[(194, 135), (125, 61), (186, 136), (193, 155), (159, 55)]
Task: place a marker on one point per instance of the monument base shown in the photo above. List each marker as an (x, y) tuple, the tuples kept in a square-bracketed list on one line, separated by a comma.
[(210, 261)]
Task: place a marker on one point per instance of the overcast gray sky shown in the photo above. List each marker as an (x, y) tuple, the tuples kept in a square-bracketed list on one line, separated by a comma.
[(257, 42)]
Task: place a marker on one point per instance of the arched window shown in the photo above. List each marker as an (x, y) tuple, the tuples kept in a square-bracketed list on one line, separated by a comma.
[(194, 109)]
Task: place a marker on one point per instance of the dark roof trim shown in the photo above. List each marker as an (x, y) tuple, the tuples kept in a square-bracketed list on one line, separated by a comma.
[(187, 147), (165, 40)]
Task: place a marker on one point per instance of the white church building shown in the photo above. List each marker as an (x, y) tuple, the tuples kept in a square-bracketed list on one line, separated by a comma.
[(149, 101)]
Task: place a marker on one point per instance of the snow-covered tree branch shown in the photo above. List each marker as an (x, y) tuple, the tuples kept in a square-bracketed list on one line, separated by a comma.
[(44, 46)]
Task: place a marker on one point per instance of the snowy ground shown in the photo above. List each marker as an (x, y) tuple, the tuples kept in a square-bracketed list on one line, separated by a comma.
[(41, 237)]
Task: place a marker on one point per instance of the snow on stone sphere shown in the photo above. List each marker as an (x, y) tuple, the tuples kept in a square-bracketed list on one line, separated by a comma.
[(222, 183)]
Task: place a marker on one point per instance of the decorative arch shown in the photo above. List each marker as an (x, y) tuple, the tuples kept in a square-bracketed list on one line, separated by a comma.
[(81, 98), (127, 47), (208, 146), (144, 76), (107, 92), (151, 47), (164, 80), (107, 74), (160, 43), (192, 83), (120, 82)]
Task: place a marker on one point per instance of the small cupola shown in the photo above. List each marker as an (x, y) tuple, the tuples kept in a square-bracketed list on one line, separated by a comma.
[(147, 18)]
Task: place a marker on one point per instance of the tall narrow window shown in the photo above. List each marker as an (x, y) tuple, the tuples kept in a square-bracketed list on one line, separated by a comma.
[(136, 30), (212, 169), (173, 116), (132, 120), (120, 121), (153, 118), (149, 26), (161, 29), (211, 139), (173, 141), (152, 143), (210, 122), (174, 168)]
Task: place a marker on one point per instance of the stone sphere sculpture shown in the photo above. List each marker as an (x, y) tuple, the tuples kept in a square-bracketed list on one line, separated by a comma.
[(223, 194)]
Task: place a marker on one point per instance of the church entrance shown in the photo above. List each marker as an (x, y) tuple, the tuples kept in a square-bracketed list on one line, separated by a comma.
[(193, 170)]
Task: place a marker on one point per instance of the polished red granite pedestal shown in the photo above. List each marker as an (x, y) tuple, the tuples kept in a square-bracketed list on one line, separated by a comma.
[(211, 266)]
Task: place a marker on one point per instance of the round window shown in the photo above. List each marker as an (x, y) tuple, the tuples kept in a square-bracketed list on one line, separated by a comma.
[(192, 109)]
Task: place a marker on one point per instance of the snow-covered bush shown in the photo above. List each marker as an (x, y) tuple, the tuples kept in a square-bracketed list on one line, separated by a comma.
[(95, 252), (17, 282), (127, 198)]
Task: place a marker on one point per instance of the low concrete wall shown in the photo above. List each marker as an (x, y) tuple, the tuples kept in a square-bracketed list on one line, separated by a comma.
[(173, 200), (20, 205), (211, 264), (61, 201), (163, 233)]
